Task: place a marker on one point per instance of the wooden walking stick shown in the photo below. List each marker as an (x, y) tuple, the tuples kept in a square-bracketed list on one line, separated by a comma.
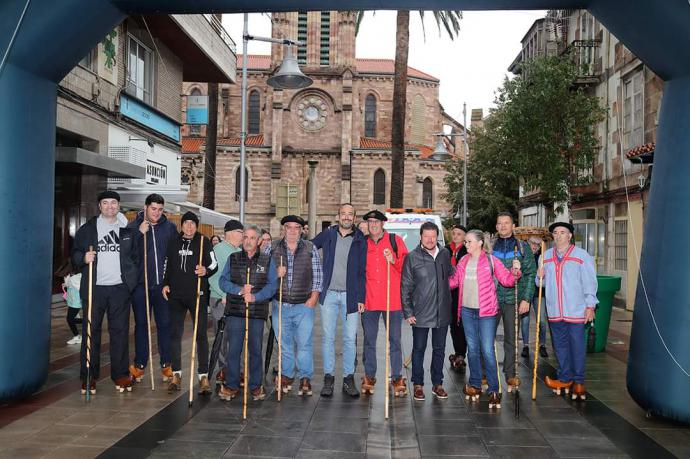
[(148, 307), (280, 334), (388, 336), (88, 331), (196, 322), (536, 338), (515, 338), (246, 350)]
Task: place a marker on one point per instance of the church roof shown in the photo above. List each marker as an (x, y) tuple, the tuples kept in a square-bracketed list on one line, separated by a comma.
[(368, 143), (367, 66), (194, 144)]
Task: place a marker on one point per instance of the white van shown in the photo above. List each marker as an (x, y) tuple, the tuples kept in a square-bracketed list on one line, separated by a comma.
[(407, 224)]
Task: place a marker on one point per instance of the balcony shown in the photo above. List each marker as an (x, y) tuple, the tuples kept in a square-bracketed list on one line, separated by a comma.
[(585, 54)]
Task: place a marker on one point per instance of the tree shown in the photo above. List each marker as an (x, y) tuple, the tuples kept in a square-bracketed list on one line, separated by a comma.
[(450, 20)]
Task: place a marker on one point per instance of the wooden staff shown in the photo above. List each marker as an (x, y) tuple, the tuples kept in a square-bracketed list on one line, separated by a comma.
[(148, 310), (280, 334), (196, 322), (517, 319), (246, 350), (536, 339), (88, 331), (388, 335)]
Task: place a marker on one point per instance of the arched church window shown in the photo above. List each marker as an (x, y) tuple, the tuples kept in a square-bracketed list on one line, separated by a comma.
[(254, 117), (370, 116), (428, 193), (379, 187)]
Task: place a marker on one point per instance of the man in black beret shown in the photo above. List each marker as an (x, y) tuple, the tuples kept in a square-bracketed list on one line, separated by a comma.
[(376, 214)]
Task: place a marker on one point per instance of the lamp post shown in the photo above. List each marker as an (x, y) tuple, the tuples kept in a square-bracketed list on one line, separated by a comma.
[(288, 76)]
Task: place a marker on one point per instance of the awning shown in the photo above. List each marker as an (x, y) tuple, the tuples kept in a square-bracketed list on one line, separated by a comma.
[(133, 197), (113, 167), (208, 216)]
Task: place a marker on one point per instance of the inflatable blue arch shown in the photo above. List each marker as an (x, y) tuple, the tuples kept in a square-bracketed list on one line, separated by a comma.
[(46, 38)]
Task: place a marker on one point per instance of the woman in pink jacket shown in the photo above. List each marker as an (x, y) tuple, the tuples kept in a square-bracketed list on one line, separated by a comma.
[(474, 277)]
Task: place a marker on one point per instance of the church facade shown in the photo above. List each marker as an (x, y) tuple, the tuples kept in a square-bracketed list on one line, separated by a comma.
[(343, 121)]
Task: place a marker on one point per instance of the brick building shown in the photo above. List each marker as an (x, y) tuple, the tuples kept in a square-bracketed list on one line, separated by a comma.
[(343, 121)]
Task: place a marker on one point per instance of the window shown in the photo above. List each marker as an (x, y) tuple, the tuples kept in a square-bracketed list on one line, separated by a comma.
[(195, 129), (418, 120), (633, 110), (590, 233), (379, 187), (427, 193), (89, 61), (254, 115), (620, 244), (302, 36), (370, 116), (237, 184), (140, 71), (325, 44)]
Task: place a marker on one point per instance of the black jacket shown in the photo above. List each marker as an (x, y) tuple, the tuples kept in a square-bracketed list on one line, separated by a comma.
[(87, 235), (157, 240), (180, 264), (425, 288)]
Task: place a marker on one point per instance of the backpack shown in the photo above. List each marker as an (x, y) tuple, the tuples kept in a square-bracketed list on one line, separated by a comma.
[(394, 243)]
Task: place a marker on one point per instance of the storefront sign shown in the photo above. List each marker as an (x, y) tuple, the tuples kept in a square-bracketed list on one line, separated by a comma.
[(197, 109), (136, 110), (156, 173)]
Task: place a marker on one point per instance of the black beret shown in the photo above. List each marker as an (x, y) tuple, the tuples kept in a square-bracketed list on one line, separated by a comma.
[(108, 194), (566, 225), (377, 214), (190, 216), (292, 219), (232, 225), (460, 227)]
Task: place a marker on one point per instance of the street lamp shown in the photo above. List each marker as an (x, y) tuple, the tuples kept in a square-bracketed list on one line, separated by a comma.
[(288, 76)]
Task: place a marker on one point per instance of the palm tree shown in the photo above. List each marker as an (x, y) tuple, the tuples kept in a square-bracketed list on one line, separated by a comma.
[(450, 20)]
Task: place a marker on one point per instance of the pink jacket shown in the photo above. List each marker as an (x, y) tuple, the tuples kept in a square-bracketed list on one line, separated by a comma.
[(488, 301)]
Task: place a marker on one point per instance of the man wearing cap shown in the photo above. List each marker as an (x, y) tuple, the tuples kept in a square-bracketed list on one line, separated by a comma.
[(457, 332), (570, 283), (182, 271), (152, 224), (297, 261), (250, 280), (383, 248), (106, 242), (234, 234), (344, 252)]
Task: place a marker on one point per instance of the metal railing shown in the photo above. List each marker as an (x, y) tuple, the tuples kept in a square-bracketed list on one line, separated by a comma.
[(585, 53), (218, 27)]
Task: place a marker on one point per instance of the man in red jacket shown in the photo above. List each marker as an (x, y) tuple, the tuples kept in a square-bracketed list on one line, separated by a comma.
[(382, 248)]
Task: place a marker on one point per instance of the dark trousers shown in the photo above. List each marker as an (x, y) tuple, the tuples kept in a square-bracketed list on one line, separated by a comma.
[(234, 328), (72, 320), (457, 332), (178, 311), (161, 313), (438, 344), (370, 323), (569, 343), (507, 313), (115, 301)]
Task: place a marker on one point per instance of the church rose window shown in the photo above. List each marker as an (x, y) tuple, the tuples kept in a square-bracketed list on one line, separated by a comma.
[(312, 112)]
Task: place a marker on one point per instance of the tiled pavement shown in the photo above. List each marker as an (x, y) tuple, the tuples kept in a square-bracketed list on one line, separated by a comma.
[(58, 423)]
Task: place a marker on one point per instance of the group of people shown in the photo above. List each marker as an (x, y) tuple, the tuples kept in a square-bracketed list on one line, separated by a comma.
[(350, 275)]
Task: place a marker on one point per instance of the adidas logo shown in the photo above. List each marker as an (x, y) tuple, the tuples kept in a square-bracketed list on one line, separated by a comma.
[(109, 243)]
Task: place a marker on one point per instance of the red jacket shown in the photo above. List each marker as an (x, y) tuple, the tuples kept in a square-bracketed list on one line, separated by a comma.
[(376, 273)]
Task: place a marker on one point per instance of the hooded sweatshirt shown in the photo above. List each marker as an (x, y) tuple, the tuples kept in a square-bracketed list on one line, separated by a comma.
[(180, 264)]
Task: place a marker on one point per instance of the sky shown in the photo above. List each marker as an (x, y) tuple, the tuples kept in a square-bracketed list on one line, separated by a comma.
[(470, 68)]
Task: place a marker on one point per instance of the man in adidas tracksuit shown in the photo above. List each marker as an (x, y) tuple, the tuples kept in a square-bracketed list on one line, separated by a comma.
[(182, 270), (115, 270)]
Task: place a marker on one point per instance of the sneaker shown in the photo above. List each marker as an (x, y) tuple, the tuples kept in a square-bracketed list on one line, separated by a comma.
[(542, 352), (204, 385), (349, 386), (419, 392), (259, 393), (439, 392), (328, 382), (175, 383), (304, 387), (226, 393), (92, 385), (136, 372), (166, 372), (123, 384), (75, 340), (525, 352)]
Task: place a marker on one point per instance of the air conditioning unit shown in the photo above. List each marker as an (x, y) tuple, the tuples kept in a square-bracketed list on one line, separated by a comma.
[(130, 155)]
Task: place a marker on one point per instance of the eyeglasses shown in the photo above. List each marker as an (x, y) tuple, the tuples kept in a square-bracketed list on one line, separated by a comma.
[(467, 241)]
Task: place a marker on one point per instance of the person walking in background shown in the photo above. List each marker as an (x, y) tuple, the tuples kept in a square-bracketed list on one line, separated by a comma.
[(535, 245), (457, 251)]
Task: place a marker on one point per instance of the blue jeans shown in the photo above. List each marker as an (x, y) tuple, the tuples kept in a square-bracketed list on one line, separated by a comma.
[(334, 306), (524, 322), (370, 322), (569, 344), (298, 324), (480, 333), (420, 337), (161, 313), (234, 328)]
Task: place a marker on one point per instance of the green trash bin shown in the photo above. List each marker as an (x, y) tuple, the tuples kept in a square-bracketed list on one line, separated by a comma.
[(607, 286)]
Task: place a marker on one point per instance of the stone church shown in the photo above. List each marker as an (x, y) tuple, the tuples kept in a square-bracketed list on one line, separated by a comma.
[(342, 121)]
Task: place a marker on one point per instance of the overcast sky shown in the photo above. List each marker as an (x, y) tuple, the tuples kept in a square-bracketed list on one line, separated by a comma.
[(470, 68)]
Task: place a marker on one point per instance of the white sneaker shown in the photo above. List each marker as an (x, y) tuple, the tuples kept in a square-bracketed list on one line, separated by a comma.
[(75, 340)]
